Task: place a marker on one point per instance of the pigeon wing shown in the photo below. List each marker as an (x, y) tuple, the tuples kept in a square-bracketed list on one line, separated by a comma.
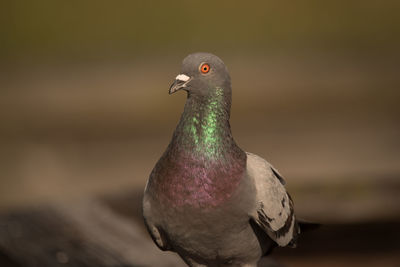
[(273, 210), (156, 233)]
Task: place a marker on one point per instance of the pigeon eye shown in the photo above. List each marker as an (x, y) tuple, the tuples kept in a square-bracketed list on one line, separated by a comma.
[(204, 68)]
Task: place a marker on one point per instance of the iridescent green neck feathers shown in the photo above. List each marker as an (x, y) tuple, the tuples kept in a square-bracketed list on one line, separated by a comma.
[(204, 126)]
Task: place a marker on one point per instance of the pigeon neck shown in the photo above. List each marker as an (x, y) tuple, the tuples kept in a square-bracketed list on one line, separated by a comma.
[(204, 128)]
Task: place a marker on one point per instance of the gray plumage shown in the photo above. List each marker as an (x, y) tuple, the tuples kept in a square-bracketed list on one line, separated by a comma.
[(207, 199)]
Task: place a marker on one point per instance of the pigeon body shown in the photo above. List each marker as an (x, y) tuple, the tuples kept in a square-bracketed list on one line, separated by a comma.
[(207, 199)]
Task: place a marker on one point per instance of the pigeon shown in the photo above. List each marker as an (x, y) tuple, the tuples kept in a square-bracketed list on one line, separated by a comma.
[(207, 199)]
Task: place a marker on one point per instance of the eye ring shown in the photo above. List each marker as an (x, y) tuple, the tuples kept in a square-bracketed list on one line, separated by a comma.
[(204, 68)]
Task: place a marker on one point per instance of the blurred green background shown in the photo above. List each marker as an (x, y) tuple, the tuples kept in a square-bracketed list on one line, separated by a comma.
[(84, 107)]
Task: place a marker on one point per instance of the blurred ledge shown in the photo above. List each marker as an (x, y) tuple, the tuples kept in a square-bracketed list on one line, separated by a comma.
[(109, 231), (80, 233)]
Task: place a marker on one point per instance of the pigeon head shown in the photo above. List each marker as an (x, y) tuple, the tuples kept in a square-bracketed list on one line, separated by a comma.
[(201, 74)]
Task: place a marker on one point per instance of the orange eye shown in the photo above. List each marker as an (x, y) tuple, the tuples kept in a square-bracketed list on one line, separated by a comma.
[(204, 68)]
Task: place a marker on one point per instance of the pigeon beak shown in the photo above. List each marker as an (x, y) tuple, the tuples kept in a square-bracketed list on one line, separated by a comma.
[(180, 82)]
